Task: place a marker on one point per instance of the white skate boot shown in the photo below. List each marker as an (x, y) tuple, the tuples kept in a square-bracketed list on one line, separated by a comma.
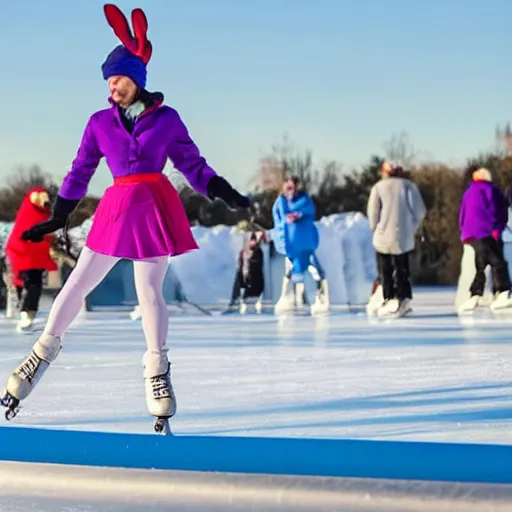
[(250, 304), (26, 322), (322, 303), (502, 301), (404, 308), (258, 306), (284, 303), (243, 302), (389, 308), (160, 399), (26, 376), (299, 295), (375, 302), (136, 313), (470, 305)]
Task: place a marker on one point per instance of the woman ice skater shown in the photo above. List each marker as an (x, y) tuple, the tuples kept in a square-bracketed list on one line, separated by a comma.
[(483, 217), (140, 217)]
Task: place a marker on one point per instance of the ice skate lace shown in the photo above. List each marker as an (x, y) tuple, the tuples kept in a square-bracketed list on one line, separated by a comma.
[(161, 386), (28, 368)]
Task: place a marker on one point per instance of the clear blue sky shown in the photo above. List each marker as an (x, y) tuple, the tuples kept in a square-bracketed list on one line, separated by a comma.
[(339, 76)]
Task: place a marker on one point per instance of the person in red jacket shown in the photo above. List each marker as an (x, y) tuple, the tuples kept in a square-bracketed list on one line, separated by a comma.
[(29, 260)]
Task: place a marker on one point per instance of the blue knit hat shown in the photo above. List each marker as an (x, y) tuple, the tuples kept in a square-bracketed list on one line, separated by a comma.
[(121, 61)]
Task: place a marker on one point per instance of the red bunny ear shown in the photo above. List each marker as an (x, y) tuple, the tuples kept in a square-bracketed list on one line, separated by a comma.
[(139, 46), (140, 28)]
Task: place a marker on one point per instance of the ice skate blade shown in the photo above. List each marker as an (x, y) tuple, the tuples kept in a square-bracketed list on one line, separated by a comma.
[(466, 312), (383, 316), (30, 330), (396, 314), (501, 308), (162, 427), (322, 309), (12, 404), (25, 329), (477, 313), (501, 312), (304, 311), (284, 311)]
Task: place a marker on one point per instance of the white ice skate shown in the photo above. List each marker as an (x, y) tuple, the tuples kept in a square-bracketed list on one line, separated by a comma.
[(375, 302), (470, 305), (404, 308), (394, 308), (26, 322), (244, 303), (503, 301), (136, 313), (389, 308), (160, 398), (285, 303), (322, 303), (250, 303), (26, 376), (300, 290)]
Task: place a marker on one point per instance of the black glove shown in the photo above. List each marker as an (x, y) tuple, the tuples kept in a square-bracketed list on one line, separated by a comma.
[(62, 209), (218, 187)]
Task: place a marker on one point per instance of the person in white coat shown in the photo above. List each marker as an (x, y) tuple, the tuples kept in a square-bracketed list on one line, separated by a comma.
[(395, 211)]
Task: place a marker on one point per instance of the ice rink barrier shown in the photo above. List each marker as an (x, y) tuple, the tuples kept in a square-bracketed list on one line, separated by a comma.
[(304, 474)]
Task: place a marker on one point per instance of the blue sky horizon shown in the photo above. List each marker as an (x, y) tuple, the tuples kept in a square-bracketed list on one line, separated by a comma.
[(337, 77)]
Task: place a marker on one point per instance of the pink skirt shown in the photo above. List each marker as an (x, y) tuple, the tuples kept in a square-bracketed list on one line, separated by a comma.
[(139, 217)]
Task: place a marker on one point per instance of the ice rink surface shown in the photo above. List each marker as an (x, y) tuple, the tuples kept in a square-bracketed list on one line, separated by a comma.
[(432, 377)]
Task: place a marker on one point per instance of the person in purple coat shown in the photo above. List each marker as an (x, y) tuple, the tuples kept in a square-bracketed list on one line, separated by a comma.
[(140, 216), (482, 219)]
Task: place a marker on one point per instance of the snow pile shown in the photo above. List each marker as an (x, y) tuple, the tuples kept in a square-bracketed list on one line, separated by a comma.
[(206, 275), (348, 257)]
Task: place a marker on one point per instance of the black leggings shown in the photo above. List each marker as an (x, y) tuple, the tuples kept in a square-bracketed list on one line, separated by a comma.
[(32, 289), (490, 252), (394, 274)]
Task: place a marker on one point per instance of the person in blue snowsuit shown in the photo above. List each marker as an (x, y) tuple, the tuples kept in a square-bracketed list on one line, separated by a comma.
[(296, 236)]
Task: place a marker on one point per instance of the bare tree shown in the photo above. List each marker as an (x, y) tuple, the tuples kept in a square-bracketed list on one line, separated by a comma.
[(399, 148), (504, 140), (270, 175), (286, 159), (18, 184)]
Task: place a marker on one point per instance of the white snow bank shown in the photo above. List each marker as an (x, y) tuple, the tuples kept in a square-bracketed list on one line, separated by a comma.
[(207, 275), (347, 254)]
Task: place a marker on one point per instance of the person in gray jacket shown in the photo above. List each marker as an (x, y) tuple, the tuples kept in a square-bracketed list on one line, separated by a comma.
[(395, 211)]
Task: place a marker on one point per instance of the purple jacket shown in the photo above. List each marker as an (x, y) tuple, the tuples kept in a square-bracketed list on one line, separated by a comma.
[(158, 134), (482, 211)]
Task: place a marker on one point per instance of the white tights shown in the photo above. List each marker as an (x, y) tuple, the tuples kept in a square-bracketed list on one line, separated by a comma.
[(90, 270)]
